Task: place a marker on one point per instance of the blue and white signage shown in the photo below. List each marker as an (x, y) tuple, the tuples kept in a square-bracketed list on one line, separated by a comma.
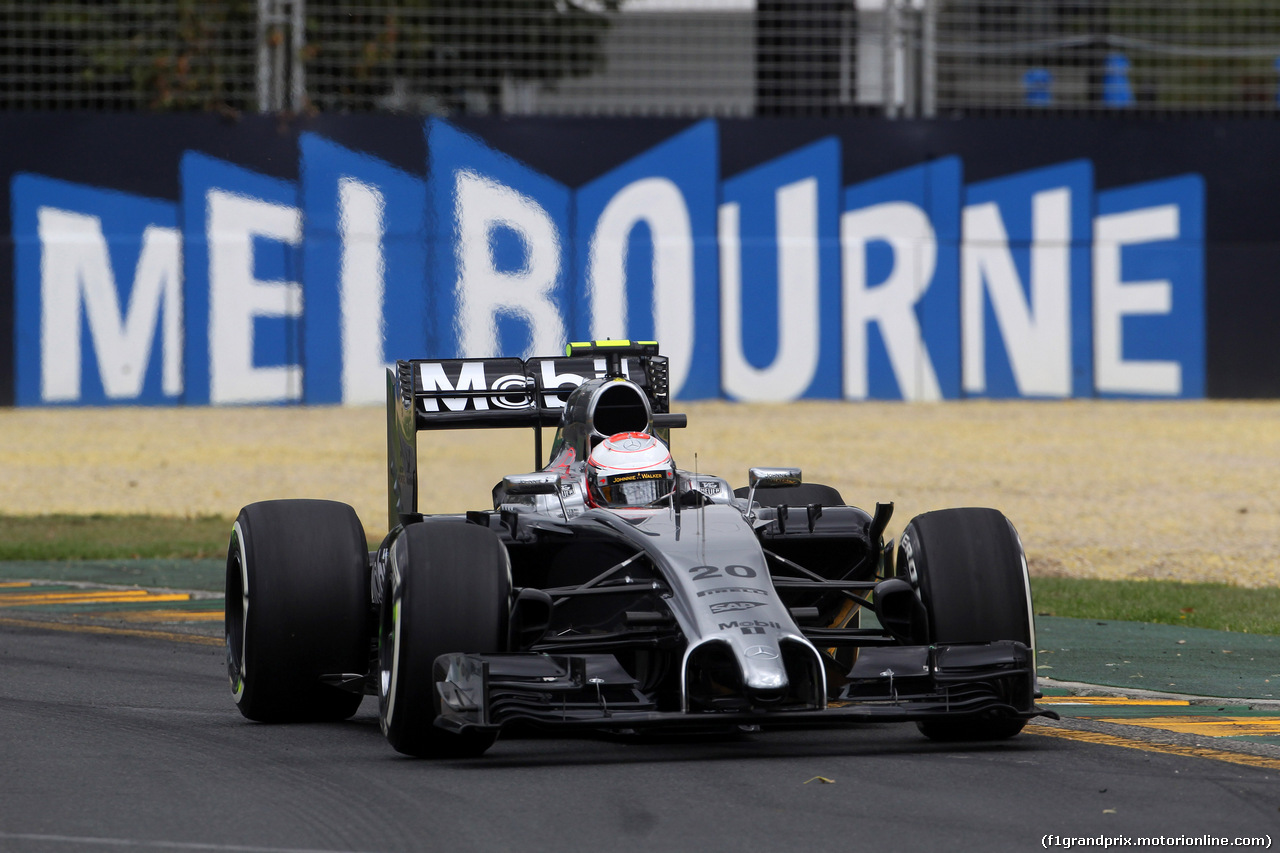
[(645, 237), (364, 261), (1024, 284), (98, 299), (780, 278), (1148, 290), (900, 250), (242, 295), (777, 283), (499, 251)]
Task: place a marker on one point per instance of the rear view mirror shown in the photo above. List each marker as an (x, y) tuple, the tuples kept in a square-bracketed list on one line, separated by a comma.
[(769, 478), (773, 478), (532, 484)]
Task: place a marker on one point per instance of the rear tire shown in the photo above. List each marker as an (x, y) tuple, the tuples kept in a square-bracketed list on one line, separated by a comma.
[(448, 589), (972, 575), (297, 607)]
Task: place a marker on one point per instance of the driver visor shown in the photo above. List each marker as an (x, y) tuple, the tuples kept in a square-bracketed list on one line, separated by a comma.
[(636, 489)]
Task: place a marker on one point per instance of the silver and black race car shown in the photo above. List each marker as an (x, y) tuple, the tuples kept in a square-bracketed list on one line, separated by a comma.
[(774, 604)]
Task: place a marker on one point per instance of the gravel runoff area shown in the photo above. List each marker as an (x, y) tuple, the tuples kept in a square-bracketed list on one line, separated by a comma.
[(1097, 489)]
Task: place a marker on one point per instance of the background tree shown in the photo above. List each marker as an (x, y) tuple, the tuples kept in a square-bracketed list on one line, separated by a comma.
[(447, 55), (421, 55)]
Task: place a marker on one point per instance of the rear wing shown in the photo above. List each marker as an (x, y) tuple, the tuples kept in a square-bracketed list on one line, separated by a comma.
[(497, 393)]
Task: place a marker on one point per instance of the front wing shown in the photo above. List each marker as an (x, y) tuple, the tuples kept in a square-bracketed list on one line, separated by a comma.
[(488, 692)]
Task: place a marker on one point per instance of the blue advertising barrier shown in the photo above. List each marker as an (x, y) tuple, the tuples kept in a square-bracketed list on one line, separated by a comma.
[(799, 275)]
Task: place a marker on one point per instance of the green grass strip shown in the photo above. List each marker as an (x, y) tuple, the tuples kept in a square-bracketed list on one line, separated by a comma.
[(119, 537), (1195, 605), (112, 537)]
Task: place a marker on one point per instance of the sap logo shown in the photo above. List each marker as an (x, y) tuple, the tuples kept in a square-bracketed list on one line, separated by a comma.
[(729, 606), (726, 590)]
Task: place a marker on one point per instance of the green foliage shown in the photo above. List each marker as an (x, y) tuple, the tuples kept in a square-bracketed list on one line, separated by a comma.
[(190, 54), (204, 54), (1199, 52), (447, 51), (1197, 605), (1182, 54)]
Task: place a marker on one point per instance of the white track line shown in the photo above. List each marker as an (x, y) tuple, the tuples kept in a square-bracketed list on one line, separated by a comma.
[(159, 845)]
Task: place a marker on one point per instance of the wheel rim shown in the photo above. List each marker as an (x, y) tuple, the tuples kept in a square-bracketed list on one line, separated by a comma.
[(388, 648), (236, 620)]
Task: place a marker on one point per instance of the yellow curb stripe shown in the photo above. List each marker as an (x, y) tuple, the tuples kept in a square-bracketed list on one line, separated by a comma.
[(124, 632), (15, 585), (1107, 700), (170, 615), (87, 594), (1168, 749), (124, 597), (1209, 726)]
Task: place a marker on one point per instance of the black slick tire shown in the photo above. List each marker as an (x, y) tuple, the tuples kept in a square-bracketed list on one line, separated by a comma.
[(297, 607), (970, 569), (448, 589)]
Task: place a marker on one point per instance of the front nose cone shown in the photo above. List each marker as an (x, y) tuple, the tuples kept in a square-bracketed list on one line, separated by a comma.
[(765, 696), (764, 676), (724, 679)]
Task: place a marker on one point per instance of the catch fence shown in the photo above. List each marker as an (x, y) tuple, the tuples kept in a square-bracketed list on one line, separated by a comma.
[(901, 58)]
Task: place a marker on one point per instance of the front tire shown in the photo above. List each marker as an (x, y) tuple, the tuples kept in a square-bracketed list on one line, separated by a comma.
[(969, 567), (297, 607), (448, 589)]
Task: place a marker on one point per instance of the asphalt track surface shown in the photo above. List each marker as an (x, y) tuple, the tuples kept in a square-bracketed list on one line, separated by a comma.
[(127, 740)]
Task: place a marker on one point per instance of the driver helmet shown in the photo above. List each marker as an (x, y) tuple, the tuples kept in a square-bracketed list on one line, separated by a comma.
[(629, 469)]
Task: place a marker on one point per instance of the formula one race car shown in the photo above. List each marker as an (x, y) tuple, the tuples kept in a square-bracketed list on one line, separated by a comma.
[(610, 590)]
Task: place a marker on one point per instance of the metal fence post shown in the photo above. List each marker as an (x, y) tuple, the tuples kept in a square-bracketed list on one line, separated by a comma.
[(890, 80), (297, 44), (909, 41), (280, 65), (929, 60), (263, 70)]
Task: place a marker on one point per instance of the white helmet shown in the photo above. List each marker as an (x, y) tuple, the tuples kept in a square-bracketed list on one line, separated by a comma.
[(629, 469)]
